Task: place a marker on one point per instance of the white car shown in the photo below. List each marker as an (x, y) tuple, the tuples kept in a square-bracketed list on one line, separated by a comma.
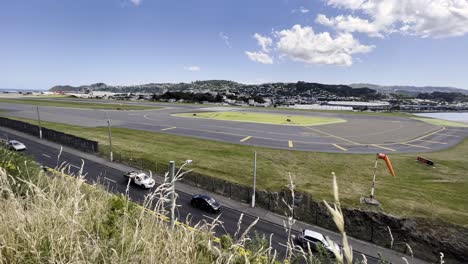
[(141, 179), (16, 145), (315, 240)]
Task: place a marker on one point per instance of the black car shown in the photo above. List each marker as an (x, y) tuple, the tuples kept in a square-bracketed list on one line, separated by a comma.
[(206, 203)]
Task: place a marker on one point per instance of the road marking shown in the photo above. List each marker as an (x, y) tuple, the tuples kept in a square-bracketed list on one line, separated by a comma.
[(109, 179), (378, 146), (328, 134), (447, 135), (169, 128), (435, 142), (71, 165), (340, 147), (213, 219), (290, 144), (419, 138), (45, 155), (454, 129), (245, 139), (411, 145)]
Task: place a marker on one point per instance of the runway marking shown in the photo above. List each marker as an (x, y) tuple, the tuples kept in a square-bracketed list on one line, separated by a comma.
[(411, 145), (328, 134), (45, 155), (168, 128), (453, 129), (340, 147), (71, 165), (290, 144), (245, 139), (109, 179), (430, 134), (447, 135), (378, 146), (435, 142)]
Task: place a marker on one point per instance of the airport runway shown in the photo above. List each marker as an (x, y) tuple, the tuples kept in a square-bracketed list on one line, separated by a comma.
[(360, 134)]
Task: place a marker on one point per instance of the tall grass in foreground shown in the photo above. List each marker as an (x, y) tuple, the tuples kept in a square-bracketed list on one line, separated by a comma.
[(55, 218)]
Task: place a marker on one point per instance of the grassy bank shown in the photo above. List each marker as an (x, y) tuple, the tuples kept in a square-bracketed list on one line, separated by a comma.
[(417, 190), (55, 218), (265, 118), (59, 103)]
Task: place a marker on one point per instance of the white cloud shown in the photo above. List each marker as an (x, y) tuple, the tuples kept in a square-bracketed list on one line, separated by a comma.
[(349, 24), (193, 68), (225, 37), (264, 42), (136, 2), (259, 57), (424, 18), (301, 9), (303, 44)]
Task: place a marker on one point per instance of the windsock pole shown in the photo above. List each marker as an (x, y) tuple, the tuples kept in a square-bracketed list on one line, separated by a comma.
[(373, 181)]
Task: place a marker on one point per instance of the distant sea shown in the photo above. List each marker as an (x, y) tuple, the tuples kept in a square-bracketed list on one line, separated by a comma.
[(460, 117)]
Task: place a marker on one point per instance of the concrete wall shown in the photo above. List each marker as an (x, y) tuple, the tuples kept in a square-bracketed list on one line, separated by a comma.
[(426, 238), (51, 135)]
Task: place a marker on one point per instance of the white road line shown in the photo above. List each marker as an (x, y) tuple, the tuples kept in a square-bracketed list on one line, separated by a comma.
[(213, 219), (290, 144), (109, 179), (71, 165), (416, 146), (45, 155), (169, 128), (435, 142)]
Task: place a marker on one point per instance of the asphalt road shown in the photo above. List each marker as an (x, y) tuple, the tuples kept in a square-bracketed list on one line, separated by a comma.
[(360, 134), (114, 182)]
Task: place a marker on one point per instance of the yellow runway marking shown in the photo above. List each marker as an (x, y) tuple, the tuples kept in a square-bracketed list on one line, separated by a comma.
[(378, 146), (328, 134), (411, 145), (169, 128), (419, 138), (290, 144), (435, 142), (245, 139), (339, 147)]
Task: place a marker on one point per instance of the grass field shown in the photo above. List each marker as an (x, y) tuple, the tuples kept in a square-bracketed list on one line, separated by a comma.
[(417, 190), (265, 118), (440, 122), (57, 103)]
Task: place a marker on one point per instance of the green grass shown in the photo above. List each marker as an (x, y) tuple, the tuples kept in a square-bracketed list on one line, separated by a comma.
[(70, 104), (276, 119), (417, 190), (441, 122)]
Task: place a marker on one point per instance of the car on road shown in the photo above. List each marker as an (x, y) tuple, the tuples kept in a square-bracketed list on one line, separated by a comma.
[(141, 179), (206, 203), (14, 145), (315, 240)]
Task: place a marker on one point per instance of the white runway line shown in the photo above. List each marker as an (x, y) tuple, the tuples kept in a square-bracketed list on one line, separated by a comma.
[(45, 155)]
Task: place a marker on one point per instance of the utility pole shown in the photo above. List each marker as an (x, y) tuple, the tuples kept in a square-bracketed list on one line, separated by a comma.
[(172, 194), (254, 178), (39, 122), (111, 155)]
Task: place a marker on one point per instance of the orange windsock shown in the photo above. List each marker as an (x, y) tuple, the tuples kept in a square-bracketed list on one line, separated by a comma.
[(387, 161)]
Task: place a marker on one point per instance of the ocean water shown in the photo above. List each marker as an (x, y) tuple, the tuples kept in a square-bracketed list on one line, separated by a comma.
[(460, 117)]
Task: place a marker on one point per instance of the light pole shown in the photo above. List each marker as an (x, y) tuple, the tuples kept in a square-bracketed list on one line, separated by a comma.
[(39, 122), (254, 178), (172, 176)]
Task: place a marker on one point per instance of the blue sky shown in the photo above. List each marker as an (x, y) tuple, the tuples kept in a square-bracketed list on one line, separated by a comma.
[(49, 42)]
